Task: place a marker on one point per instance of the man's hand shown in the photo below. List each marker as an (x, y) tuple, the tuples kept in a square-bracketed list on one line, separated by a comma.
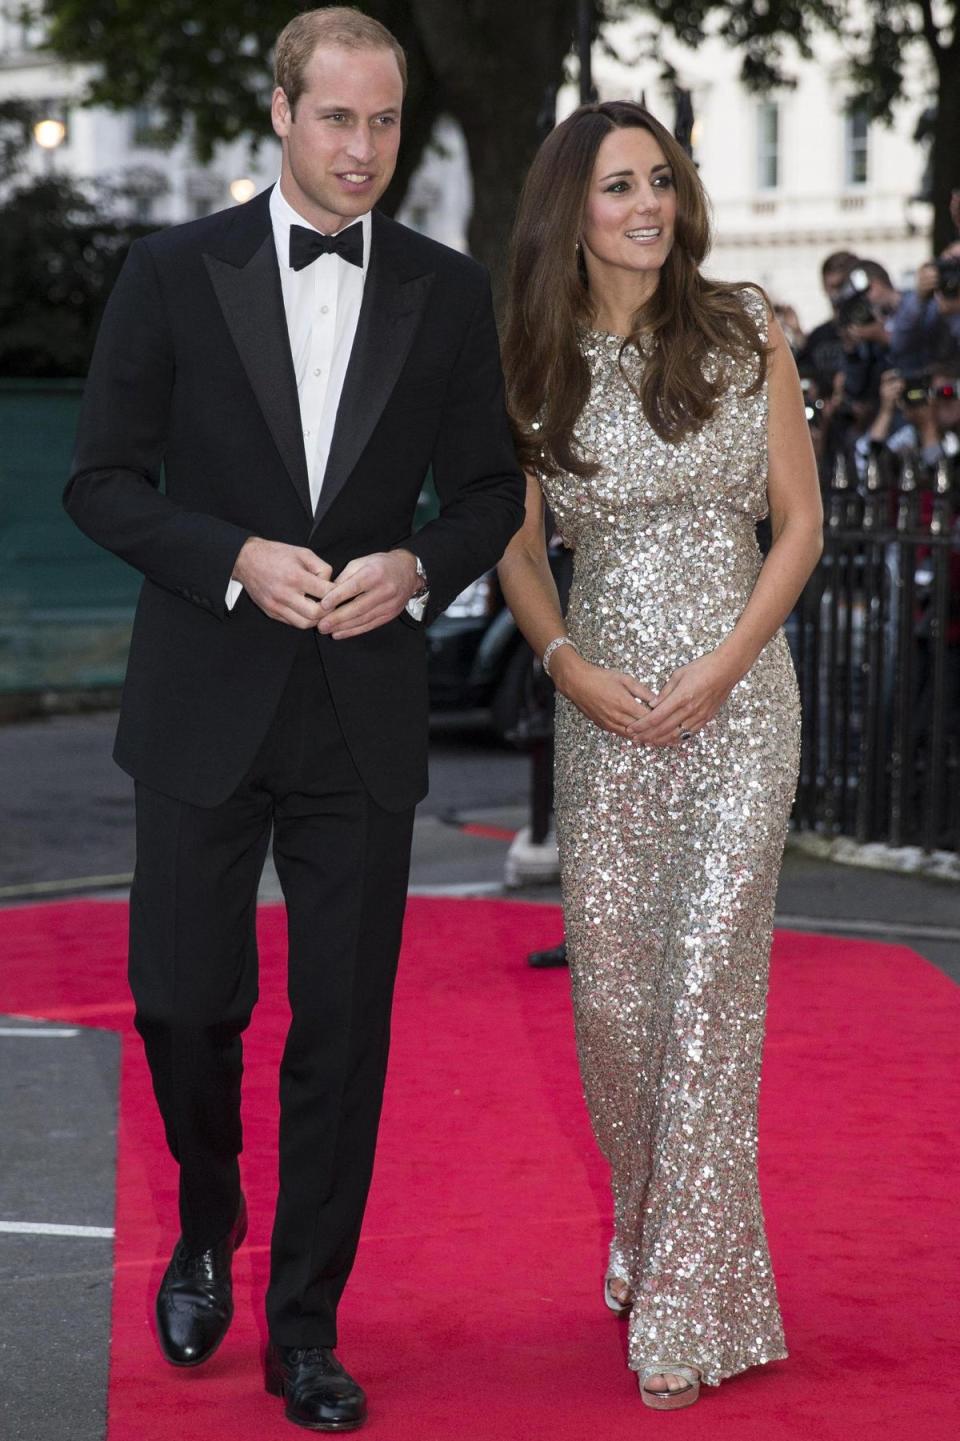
[(873, 331), (287, 582), (928, 278), (368, 592), (947, 304), (891, 389)]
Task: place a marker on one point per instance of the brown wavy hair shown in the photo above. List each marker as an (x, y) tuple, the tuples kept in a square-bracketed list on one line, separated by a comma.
[(548, 299)]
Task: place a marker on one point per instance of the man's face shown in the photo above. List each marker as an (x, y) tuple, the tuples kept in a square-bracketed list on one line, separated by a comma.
[(340, 146), (833, 283), (883, 297)]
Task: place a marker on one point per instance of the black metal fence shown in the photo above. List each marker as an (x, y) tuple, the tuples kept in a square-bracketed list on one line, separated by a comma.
[(876, 641)]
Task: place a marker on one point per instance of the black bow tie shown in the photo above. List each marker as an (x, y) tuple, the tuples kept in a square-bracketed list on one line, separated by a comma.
[(306, 245)]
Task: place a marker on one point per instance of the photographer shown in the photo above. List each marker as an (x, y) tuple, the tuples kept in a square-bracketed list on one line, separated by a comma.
[(927, 325), (865, 309), (916, 415), (821, 354)]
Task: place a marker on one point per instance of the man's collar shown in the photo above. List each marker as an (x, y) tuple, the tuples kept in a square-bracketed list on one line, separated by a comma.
[(283, 215)]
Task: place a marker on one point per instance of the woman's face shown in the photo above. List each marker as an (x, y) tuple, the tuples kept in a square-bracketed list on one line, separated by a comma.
[(631, 206)]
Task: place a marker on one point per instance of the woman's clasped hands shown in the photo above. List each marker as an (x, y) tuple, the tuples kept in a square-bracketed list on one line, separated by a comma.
[(619, 703)]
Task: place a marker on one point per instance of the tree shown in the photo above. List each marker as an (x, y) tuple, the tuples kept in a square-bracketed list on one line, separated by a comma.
[(494, 65), (880, 36), (61, 248)]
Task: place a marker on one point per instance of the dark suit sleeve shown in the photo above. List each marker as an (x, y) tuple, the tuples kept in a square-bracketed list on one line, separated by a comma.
[(479, 484), (113, 493)]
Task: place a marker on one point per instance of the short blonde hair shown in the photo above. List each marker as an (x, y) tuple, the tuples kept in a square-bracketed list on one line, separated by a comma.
[(331, 25)]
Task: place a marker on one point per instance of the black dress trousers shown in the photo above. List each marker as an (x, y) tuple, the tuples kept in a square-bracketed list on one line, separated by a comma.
[(343, 864)]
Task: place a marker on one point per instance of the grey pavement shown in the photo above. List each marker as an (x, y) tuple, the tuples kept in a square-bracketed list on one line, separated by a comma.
[(57, 1159)]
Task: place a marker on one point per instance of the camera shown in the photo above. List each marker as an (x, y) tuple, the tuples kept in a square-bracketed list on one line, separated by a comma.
[(812, 404), (852, 306), (916, 390), (948, 277)]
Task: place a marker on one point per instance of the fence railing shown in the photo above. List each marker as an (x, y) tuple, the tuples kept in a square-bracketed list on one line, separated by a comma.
[(876, 641)]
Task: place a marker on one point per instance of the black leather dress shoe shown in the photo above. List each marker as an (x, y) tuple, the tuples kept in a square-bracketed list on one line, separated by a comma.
[(317, 1390), (195, 1300)]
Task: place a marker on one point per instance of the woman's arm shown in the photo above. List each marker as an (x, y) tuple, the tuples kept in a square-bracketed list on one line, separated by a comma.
[(694, 693), (608, 698)]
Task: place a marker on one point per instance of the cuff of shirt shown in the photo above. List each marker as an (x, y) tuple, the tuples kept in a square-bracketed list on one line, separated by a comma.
[(234, 589)]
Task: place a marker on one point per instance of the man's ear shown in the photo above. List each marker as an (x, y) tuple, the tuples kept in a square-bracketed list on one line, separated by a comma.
[(281, 115)]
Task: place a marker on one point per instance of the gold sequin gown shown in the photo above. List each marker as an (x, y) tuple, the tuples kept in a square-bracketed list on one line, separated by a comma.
[(669, 865)]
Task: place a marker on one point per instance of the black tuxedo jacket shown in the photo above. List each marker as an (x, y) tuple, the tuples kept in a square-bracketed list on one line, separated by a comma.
[(189, 442)]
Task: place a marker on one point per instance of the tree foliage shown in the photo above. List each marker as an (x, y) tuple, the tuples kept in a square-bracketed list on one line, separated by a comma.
[(61, 248)]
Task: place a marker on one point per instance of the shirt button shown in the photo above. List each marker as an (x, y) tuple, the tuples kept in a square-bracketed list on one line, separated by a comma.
[(318, 371), (306, 433), (324, 309)]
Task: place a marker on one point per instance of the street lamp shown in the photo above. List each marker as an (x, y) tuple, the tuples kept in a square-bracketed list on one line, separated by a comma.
[(49, 133), (243, 189)]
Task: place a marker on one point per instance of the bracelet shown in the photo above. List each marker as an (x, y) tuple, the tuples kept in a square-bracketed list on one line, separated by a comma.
[(554, 645)]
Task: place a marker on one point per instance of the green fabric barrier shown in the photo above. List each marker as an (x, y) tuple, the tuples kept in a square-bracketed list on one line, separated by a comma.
[(65, 605)]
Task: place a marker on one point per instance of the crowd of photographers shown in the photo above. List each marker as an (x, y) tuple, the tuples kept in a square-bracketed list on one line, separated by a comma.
[(881, 376), (881, 382)]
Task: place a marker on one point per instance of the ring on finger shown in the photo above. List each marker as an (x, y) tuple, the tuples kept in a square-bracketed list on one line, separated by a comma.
[(685, 734)]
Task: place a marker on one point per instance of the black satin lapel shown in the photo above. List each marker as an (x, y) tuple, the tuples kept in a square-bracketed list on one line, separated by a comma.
[(389, 316), (252, 303)]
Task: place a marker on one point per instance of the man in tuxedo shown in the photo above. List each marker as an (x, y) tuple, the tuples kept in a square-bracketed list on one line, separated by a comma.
[(270, 386)]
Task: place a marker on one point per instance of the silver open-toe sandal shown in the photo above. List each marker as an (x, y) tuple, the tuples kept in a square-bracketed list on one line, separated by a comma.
[(613, 1303), (669, 1400)]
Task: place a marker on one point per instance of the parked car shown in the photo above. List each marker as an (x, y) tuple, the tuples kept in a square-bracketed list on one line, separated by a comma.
[(479, 660)]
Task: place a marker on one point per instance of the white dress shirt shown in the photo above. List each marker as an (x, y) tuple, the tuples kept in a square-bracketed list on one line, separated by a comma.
[(322, 307)]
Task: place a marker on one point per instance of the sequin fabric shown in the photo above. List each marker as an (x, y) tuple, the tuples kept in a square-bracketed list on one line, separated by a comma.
[(669, 865)]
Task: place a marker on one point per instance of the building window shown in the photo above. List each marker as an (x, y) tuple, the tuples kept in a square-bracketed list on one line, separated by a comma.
[(205, 193), (768, 145), (856, 132), (144, 125)]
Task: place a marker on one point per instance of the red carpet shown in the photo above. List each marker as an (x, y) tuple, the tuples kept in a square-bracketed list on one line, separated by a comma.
[(475, 1311)]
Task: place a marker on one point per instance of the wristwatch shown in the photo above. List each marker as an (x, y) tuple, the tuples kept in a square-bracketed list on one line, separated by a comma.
[(417, 604)]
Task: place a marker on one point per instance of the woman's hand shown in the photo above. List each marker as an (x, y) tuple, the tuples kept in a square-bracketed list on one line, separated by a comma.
[(607, 697), (691, 697)]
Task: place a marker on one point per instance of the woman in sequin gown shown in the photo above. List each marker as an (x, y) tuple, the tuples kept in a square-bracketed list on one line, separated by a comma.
[(677, 724)]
